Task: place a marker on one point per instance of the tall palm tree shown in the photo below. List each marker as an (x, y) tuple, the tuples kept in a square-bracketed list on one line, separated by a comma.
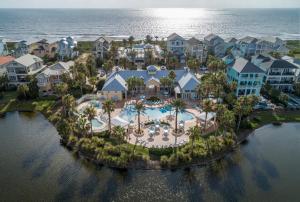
[(243, 107), (108, 107), (68, 103), (23, 90), (208, 106), (93, 82), (90, 113), (61, 89), (119, 132), (179, 105), (193, 132), (139, 107), (82, 125), (225, 119)]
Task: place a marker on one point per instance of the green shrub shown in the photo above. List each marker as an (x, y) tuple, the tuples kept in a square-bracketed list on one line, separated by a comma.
[(164, 161), (153, 99), (161, 151)]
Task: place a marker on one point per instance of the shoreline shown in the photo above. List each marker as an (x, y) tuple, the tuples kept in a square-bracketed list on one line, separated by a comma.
[(155, 164)]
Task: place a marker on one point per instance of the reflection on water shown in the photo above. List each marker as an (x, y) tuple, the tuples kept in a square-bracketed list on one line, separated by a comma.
[(33, 165)]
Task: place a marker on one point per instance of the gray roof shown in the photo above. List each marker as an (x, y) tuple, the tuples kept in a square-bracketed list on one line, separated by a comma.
[(28, 60), (115, 83), (231, 40), (211, 37), (248, 39), (174, 36), (278, 64), (242, 65), (193, 41), (57, 68)]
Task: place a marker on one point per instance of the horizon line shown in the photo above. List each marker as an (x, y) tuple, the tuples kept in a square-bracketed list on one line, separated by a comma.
[(150, 7)]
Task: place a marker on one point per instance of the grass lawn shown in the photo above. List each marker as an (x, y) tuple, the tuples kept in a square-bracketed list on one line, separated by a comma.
[(266, 117), (10, 103), (85, 46)]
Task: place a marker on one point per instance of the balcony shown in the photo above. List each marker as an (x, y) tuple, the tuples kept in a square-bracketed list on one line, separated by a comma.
[(275, 73), (288, 73)]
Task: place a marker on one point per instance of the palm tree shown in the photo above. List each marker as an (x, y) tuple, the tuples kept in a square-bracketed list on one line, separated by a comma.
[(23, 90), (243, 107), (193, 132), (61, 89), (108, 107), (82, 125), (208, 106), (93, 82), (119, 132), (225, 119), (179, 105), (81, 78), (139, 107), (90, 113), (68, 103)]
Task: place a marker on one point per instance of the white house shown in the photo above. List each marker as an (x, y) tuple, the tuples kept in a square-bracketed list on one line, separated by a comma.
[(197, 49), (67, 48), (18, 69), (176, 45), (269, 44), (215, 45), (52, 75), (280, 73), (101, 46)]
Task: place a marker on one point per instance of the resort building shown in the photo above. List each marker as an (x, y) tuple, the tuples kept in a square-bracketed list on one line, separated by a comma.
[(101, 47), (43, 48), (196, 49), (176, 45), (117, 88), (215, 45), (67, 48), (19, 69), (247, 46), (279, 73), (141, 54), (51, 76), (249, 77), (295, 62), (4, 60), (3, 47), (271, 44), (21, 48)]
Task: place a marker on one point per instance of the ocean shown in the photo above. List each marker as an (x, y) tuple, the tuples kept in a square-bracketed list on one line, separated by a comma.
[(87, 24)]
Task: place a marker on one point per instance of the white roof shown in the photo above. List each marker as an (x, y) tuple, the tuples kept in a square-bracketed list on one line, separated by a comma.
[(28, 60)]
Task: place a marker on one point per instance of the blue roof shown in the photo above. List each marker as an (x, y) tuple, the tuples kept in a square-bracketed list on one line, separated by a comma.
[(115, 83), (117, 80), (188, 82)]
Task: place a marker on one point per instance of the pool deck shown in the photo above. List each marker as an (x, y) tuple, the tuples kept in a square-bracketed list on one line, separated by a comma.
[(160, 138)]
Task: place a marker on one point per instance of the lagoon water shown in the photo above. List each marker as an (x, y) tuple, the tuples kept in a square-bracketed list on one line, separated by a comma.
[(87, 24), (35, 167)]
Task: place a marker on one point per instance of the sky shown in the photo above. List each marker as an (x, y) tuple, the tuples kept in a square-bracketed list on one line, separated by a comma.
[(149, 3)]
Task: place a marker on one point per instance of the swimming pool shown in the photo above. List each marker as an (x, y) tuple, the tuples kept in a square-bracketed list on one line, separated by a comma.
[(96, 123), (128, 113)]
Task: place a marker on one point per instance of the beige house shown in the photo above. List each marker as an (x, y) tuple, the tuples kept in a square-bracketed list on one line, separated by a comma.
[(51, 76), (43, 48)]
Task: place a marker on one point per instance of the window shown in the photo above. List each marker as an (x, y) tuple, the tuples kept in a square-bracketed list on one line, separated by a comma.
[(12, 78)]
